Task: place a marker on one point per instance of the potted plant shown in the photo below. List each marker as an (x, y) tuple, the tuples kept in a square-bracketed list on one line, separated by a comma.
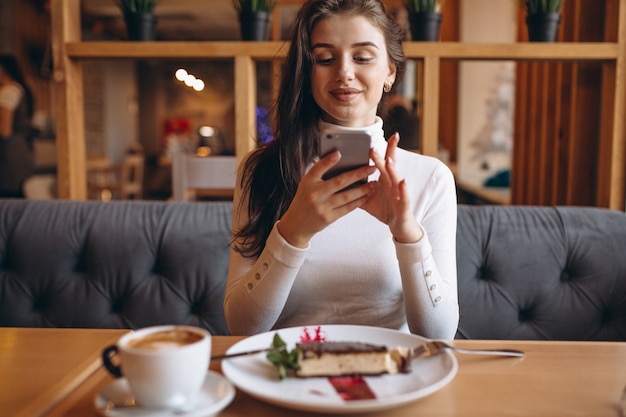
[(140, 19), (254, 18), (424, 19), (542, 19)]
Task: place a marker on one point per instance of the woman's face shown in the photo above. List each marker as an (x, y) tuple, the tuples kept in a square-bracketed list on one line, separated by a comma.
[(350, 68)]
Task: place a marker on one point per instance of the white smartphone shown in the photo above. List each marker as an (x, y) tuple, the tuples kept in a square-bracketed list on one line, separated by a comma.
[(354, 148)]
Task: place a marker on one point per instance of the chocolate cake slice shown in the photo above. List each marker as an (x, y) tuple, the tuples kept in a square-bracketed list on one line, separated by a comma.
[(349, 358)]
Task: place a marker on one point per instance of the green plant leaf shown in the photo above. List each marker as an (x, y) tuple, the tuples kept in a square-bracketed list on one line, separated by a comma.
[(282, 358), (136, 6), (254, 5), (418, 6), (543, 6)]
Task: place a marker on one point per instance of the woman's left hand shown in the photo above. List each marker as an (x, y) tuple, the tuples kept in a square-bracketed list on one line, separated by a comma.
[(390, 202)]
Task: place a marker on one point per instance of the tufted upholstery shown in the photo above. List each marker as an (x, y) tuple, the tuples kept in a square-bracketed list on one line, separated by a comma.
[(541, 273), (113, 265), (523, 272)]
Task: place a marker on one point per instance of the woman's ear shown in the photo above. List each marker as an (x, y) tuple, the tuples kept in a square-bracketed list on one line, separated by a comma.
[(391, 77)]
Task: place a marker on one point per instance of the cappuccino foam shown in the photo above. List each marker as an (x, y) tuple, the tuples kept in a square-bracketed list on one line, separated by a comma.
[(166, 340)]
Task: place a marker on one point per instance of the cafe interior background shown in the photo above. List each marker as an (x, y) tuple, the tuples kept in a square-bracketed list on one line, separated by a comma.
[(133, 104)]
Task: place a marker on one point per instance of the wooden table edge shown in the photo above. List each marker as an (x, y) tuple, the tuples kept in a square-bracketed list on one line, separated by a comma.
[(58, 392)]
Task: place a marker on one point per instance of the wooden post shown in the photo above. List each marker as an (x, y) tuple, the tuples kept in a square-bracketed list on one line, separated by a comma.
[(245, 106), (618, 154), (429, 139), (70, 119)]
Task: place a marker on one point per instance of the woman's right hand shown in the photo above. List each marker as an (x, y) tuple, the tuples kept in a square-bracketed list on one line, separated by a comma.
[(318, 203)]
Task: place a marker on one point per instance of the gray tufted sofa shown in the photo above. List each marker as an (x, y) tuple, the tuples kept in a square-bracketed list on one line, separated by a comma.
[(541, 273), (523, 272), (113, 265)]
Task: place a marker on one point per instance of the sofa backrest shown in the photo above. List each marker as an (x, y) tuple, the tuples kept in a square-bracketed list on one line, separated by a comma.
[(113, 265), (523, 272), (541, 273)]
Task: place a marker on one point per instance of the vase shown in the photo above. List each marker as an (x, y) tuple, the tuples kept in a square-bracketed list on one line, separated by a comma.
[(141, 26), (254, 25), (425, 26), (543, 27)]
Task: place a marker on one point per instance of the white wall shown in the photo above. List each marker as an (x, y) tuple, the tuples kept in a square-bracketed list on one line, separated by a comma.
[(481, 21), (121, 108), (111, 118)]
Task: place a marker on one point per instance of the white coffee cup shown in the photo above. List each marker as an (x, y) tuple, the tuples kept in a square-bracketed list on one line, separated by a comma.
[(165, 366)]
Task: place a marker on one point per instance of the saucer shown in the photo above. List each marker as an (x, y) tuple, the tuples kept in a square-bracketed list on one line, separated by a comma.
[(216, 393)]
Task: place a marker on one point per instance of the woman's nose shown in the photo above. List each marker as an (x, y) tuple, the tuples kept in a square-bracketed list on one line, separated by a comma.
[(345, 70)]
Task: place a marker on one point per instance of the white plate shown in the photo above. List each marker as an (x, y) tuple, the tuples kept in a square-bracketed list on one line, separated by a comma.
[(256, 376), (217, 392)]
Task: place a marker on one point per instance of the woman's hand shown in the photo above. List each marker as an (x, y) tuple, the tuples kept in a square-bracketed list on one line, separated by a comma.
[(318, 203), (390, 202)]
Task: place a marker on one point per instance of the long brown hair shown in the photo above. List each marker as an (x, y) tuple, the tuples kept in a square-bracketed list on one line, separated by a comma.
[(271, 174)]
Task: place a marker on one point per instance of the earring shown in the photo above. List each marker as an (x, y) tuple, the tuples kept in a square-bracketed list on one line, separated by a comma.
[(387, 87)]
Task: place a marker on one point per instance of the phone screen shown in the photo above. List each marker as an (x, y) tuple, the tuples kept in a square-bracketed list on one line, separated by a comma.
[(354, 148)]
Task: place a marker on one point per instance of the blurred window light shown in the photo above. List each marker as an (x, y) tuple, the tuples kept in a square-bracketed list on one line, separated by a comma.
[(181, 74), (203, 151), (189, 80), (206, 131), (198, 85)]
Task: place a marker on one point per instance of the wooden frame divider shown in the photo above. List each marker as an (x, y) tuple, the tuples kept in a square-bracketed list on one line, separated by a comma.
[(69, 51)]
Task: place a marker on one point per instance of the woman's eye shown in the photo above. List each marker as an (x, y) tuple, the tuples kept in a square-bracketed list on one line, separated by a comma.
[(324, 61), (363, 60)]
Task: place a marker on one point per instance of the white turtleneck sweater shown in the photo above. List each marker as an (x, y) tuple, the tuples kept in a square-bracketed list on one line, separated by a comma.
[(353, 271)]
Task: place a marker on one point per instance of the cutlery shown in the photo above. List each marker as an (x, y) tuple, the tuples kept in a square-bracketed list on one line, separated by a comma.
[(429, 348), (434, 347), (245, 353), (123, 401)]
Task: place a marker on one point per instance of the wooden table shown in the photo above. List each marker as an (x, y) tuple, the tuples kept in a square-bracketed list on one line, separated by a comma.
[(40, 367), (554, 379)]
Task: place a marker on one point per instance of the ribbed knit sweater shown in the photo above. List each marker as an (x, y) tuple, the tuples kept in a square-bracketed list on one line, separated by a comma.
[(353, 271)]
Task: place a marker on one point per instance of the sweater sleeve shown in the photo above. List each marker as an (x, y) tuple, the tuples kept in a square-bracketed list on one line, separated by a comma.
[(428, 267), (257, 288)]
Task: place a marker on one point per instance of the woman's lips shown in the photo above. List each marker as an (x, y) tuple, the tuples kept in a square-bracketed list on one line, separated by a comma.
[(345, 94)]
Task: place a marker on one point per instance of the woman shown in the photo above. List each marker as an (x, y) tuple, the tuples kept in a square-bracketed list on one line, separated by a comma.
[(16, 111), (308, 251)]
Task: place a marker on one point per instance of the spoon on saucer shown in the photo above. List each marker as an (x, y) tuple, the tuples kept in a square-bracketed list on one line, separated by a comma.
[(119, 399)]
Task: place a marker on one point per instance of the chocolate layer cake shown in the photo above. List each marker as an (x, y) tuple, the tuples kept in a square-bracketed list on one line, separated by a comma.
[(349, 358)]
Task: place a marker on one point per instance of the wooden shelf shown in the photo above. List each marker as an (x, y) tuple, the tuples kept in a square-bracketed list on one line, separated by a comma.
[(604, 51), (173, 50), (521, 51)]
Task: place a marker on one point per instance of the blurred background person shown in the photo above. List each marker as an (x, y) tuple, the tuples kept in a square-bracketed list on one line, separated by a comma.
[(401, 116), (16, 132)]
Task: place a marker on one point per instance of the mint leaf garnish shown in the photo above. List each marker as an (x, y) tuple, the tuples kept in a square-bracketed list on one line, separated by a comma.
[(283, 358)]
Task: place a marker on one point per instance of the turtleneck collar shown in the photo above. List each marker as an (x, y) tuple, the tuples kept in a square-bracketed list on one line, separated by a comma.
[(375, 130)]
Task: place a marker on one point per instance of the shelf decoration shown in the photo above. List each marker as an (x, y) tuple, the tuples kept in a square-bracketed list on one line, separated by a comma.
[(425, 19), (254, 18), (542, 19), (140, 19)]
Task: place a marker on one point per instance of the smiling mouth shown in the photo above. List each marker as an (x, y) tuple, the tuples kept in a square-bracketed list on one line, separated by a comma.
[(345, 94)]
